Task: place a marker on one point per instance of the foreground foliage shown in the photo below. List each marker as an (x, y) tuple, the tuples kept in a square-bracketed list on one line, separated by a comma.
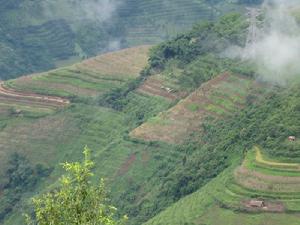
[(76, 201)]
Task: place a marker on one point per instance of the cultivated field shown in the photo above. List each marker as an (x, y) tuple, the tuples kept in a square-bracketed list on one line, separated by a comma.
[(227, 199), (157, 85), (92, 77), (216, 99), (26, 103), (275, 183)]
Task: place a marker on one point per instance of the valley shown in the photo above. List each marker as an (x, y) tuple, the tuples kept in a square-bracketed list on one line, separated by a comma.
[(181, 132)]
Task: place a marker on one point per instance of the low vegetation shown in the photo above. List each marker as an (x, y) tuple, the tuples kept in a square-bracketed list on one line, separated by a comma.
[(87, 79), (76, 200), (146, 176), (219, 98)]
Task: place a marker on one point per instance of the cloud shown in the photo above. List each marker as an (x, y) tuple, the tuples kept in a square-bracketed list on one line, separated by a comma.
[(97, 10), (276, 50)]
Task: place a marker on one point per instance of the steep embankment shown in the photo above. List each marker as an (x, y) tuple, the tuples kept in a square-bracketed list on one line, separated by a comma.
[(147, 176), (55, 137)]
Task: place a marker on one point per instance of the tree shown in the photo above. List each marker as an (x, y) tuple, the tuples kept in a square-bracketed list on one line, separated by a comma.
[(77, 201)]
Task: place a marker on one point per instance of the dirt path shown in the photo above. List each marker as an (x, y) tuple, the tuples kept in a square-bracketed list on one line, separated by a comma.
[(4, 91)]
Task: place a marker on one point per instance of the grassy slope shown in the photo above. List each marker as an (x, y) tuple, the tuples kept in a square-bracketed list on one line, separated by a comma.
[(202, 208), (211, 206), (132, 168), (219, 98), (61, 135), (89, 78), (214, 205), (144, 177)]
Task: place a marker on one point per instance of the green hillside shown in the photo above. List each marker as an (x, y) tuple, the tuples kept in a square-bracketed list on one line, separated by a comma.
[(106, 105), (228, 197), (172, 129), (45, 139), (38, 36), (269, 173)]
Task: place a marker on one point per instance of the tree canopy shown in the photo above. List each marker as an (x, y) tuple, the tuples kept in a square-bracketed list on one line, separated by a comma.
[(76, 201)]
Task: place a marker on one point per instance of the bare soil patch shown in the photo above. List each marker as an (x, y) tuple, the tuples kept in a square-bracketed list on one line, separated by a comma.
[(156, 87), (268, 206), (27, 96), (126, 165)]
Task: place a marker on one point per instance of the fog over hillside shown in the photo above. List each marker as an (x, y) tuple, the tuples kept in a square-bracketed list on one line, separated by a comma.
[(67, 31), (97, 10), (276, 50)]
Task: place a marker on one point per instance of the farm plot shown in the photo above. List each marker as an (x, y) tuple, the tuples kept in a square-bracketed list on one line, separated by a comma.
[(174, 125), (275, 184), (157, 86), (23, 102), (89, 78)]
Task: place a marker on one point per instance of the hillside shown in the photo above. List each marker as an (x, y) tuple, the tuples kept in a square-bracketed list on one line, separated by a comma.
[(216, 99), (38, 133), (182, 133), (252, 193), (100, 106), (38, 36), (87, 79)]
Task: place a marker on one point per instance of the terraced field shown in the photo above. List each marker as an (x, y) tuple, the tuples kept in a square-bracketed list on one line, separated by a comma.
[(276, 184), (216, 99), (40, 121), (153, 20), (260, 191), (20, 103), (157, 85), (89, 78)]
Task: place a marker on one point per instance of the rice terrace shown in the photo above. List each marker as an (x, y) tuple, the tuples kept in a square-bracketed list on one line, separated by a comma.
[(149, 112), (90, 78), (220, 97)]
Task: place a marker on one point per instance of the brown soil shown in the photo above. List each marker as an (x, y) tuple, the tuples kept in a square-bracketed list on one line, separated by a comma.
[(175, 124), (126, 165), (269, 206), (153, 86), (127, 62), (258, 181), (27, 97)]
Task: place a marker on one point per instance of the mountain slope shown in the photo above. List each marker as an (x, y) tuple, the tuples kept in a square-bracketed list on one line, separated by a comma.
[(145, 177), (89, 78), (38, 36), (271, 177), (42, 139)]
